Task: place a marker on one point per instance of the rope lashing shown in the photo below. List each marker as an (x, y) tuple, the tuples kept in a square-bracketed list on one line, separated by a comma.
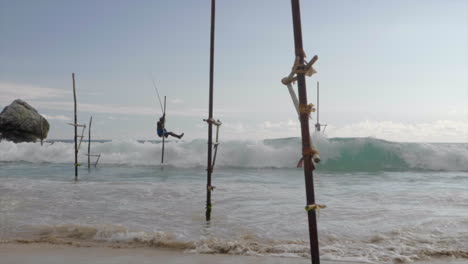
[(306, 109), (307, 69), (311, 152), (315, 207), (213, 122), (217, 123), (297, 68), (211, 188)]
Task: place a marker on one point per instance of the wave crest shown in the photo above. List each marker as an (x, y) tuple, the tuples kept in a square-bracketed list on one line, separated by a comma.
[(399, 246), (338, 154)]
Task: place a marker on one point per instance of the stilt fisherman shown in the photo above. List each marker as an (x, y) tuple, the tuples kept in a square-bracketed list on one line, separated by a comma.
[(162, 129)]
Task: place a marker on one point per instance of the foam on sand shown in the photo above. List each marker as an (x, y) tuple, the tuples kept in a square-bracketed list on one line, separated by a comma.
[(57, 254)]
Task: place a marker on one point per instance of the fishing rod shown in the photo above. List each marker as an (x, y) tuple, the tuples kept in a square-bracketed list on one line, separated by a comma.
[(162, 150), (164, 112), (157, 92)]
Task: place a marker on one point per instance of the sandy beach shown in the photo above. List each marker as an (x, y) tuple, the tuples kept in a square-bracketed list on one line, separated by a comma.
[(222, 132), (44, 253)]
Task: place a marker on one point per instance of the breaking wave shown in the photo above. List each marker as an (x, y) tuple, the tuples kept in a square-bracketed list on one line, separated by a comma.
[(399, 246), (338, 154)]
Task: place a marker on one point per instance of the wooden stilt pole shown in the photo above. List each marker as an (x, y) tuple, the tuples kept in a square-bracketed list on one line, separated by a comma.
[(306, 144), (210, 115), (76, 130), (164, 128), (89, 142)]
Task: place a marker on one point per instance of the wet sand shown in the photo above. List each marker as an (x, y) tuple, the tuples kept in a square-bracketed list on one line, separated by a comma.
[(44, 253)]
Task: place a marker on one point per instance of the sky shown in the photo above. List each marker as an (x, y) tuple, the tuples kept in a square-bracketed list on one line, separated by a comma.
[(395, 70)]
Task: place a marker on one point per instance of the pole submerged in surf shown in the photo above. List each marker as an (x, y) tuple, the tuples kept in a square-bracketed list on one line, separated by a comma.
[(307, 150), (89, 142), (76, 129), (164, 131), (76, 125), (209, 169)]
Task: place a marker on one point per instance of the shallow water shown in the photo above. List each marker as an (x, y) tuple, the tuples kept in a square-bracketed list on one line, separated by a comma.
[(375, 216)]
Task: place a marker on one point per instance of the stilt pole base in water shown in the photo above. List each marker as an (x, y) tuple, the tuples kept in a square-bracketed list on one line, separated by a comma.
[(301, 68)]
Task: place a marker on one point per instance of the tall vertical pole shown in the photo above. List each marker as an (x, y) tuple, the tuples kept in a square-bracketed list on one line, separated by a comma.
[(317, 126), (89, 142), (209, 169), (164, 131), (76, 130), (306, 144)]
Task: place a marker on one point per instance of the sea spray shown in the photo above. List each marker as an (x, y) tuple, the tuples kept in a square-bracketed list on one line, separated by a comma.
[(338, 154)]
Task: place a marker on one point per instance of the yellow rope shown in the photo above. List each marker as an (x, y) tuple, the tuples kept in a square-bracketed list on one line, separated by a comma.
[(309, 151), (307, 109), (315, 207), (301, 69), (212, 121)]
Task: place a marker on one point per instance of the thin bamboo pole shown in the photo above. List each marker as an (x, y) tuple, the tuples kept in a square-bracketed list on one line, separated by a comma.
[(76, 129), (216, 144), (89, 142), (305, 133), (210, 115), (164, 131), (317, 126)]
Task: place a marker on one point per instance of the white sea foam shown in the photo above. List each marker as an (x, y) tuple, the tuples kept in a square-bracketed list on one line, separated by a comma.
[(399, 246), (348, 154), (383, 217)]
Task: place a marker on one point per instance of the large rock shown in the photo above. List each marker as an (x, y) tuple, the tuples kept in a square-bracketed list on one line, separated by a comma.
[(20, 122)]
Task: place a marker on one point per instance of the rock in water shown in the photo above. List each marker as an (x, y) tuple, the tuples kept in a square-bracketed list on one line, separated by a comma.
[(20, 122)]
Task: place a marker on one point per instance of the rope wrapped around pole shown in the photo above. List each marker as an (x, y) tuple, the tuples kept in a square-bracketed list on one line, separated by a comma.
[(305, 133)]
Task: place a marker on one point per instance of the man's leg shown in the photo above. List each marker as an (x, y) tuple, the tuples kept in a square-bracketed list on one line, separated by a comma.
[(174, 135)]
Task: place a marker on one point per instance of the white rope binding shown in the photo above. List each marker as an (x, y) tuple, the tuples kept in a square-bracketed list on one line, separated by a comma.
[(291, 78)]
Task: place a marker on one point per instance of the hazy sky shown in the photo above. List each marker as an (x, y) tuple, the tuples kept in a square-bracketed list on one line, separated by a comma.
[(396, 70)]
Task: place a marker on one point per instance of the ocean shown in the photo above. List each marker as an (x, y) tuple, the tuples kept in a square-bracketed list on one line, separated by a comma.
[(387, 202)]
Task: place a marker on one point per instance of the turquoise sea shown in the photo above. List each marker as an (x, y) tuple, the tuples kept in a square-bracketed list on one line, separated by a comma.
[(387, 202)]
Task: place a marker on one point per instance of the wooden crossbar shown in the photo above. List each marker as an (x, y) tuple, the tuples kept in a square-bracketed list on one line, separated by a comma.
[(95, 155), (77, 125)]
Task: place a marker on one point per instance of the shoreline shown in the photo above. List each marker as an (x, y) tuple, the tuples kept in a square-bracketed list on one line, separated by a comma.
[(47, 253)]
